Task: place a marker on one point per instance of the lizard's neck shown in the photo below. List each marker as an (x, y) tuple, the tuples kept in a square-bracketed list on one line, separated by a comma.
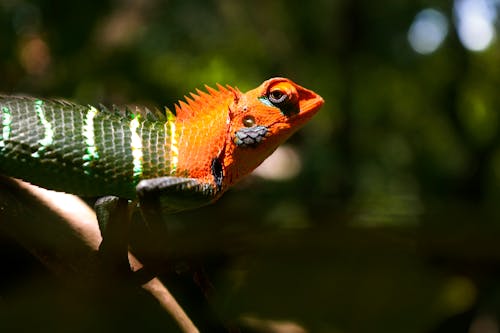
[(201, 141)]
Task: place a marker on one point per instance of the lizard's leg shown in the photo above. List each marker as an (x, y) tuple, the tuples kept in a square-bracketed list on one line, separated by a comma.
[(165, 195), (161, 196), (114, 222), (157, 197)]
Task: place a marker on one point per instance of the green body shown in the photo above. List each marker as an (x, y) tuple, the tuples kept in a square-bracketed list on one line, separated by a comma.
[(82, 150)]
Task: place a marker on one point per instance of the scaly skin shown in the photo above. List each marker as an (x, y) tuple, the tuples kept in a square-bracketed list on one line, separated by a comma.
[(214, 140)]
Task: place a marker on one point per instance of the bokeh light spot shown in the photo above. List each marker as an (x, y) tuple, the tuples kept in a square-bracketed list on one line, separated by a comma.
[(428, 31), (475, 23), (283, 164), (35, 56)]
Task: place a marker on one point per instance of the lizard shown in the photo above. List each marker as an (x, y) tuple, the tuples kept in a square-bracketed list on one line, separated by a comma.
[(181, 159)]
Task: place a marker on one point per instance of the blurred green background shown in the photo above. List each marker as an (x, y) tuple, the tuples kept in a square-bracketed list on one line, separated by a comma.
[(385, 217)]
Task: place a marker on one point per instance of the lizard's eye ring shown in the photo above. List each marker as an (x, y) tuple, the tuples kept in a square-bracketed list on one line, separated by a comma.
[(248, 121), (277, 96), (282, 94)]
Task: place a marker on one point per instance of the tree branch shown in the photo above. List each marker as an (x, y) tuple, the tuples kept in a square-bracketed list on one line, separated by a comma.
[(62, 232)]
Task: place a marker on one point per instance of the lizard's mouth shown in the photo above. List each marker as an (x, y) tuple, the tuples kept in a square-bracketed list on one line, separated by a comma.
[(309, 104)]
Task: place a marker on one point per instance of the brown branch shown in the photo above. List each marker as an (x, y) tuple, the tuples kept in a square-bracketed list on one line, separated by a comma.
[(62, 232)]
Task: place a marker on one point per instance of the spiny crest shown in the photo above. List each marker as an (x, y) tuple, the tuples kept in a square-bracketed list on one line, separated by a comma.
[(205, 102)]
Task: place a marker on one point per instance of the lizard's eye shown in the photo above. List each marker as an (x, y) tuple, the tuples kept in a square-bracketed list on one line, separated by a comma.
[(277, 96), (282, 94), (249, 121)]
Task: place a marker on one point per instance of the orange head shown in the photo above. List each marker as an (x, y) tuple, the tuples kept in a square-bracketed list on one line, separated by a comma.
[(225, 134), (262, 119)]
